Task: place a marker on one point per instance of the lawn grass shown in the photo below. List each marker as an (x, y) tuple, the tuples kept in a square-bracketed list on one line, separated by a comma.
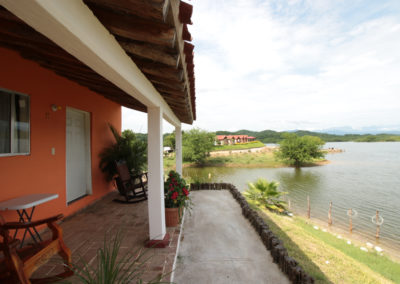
[(239, 146), (327, 258), (256, 160), (169, 163)]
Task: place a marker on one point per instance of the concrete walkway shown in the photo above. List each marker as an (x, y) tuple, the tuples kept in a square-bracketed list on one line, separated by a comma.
[(220, 246)]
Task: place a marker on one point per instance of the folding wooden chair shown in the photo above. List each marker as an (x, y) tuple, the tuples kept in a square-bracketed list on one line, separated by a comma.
[(17, 265)]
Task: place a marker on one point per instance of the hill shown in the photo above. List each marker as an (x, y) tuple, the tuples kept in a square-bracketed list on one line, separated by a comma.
[(271, 136)]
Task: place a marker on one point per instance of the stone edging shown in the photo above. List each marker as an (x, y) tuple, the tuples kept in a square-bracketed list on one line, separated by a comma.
[(288, 265)]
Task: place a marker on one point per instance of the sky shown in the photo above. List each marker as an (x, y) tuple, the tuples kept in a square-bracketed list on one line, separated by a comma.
[(297, 64)]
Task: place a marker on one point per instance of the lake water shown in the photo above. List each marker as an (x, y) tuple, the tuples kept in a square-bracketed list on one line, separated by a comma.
[(365, 177)]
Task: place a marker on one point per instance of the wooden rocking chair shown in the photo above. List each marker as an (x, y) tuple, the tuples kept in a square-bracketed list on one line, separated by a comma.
[(18, 265), (132, 187)]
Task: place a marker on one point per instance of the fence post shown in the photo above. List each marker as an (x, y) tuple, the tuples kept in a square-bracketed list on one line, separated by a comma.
[(351, 220), (378, 227), (308, 205), (330, 214)]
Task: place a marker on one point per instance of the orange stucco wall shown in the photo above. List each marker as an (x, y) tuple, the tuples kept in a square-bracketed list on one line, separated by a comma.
[(42, 172)]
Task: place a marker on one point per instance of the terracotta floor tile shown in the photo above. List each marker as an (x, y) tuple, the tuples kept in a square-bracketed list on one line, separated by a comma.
[(84, 235)]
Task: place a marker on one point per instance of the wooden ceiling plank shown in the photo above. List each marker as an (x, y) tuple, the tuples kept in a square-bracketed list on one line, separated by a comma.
[(160, 73), (135, 28), (153, 9), (21, 30), (108, 91), (163, 81), (169, 86), (157, 56), (169, 90), (151, 52)]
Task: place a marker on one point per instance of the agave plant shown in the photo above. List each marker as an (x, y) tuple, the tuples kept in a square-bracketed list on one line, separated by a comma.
[(112, 267), (266, 194)]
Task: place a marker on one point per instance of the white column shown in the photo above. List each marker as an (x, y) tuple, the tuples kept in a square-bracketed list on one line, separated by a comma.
[(178, 149), (156, 182)]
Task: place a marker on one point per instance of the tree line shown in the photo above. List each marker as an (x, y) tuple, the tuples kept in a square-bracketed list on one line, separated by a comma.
[(271, 136)]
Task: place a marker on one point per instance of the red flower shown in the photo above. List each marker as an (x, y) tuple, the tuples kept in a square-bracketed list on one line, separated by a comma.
[(185, 191), (174, 195)]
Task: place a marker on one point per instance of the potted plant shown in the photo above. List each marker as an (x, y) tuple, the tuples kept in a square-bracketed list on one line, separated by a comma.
[(176, 198), (128, 147)]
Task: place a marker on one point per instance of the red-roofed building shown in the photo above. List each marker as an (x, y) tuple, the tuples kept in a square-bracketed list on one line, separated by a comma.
[(233, 139)]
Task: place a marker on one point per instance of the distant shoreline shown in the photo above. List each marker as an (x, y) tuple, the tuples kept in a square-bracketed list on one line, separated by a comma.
[(262, 157), (271, 136), (243, 151)]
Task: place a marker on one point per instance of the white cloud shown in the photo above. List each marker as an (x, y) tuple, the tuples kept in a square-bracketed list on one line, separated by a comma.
[(304, 64)]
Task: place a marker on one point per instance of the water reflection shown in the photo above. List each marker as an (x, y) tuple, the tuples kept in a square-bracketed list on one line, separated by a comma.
[(365, 177), (297, 178)]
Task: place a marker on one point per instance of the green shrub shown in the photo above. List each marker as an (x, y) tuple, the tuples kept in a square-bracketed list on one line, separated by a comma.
[(128, 147), (197, 145), (266, 194)]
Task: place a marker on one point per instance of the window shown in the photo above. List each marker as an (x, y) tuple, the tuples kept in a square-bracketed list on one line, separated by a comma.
[(14, 123)]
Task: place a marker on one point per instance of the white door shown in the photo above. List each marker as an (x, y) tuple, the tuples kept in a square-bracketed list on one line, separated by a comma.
[(78, 154)]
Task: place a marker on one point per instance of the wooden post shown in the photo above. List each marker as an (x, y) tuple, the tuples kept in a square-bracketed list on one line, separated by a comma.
[(330, 214), (289, 204), (378, 227), (308, 205), (351, 220)]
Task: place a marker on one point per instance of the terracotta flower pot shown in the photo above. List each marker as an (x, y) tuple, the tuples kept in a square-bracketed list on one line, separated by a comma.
[(172, 216)]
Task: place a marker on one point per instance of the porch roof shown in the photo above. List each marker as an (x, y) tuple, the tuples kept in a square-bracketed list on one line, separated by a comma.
[(154, 35)]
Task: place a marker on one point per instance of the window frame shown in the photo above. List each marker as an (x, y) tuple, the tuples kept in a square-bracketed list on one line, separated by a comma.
[(12, 123)]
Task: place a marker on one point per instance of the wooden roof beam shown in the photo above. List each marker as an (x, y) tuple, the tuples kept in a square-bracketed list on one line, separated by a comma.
[(149, 9), (166, 82), (169, 90), (175, 9), (135, 28), (152, 52), (74, 27), (160, 70)]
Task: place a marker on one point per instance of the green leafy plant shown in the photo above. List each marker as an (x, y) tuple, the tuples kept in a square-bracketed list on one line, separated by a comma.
[(169, 140), (266, 194), (113, 268), (128, 147), (197, 145)]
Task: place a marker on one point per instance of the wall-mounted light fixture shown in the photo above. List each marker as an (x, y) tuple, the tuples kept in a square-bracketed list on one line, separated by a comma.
[(55, 107)]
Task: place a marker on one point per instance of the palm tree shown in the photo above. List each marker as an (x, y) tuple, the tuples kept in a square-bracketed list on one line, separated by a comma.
[(127, 147), (267, 194)]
